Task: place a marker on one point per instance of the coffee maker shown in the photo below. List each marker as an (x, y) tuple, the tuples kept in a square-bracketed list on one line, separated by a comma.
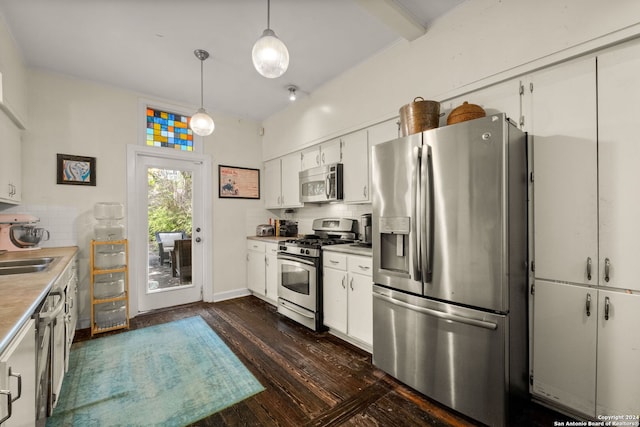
[(365, 230), (18, 232)]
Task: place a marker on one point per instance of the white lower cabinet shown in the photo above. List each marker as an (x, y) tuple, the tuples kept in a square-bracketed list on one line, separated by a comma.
[(585, 348), (618, 366), (271, 271), (262, 269), (18, 377), (347, 298)]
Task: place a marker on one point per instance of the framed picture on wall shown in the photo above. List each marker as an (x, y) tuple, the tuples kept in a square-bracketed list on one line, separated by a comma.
[(238, 183), (76, 170)]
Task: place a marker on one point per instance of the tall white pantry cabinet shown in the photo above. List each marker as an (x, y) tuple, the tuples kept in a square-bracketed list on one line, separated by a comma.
[(586, 234)]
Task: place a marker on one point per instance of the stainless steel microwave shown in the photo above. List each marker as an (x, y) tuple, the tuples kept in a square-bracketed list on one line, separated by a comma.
[(321, 184)]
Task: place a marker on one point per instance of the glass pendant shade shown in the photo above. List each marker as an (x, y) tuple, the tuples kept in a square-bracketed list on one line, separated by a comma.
[(201, 123), (270, 55)]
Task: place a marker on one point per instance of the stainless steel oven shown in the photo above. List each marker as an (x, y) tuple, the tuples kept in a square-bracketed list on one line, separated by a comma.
[(298, 291), (300, 270)]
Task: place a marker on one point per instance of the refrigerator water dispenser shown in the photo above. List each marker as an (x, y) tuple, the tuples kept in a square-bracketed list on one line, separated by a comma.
[(394, 244)]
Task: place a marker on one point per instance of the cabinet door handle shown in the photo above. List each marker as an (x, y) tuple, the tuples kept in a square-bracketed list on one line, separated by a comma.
[(588, 306), (317, 159), (351, 283), (19, 377), (323, 161), (266, 261), (364, 191), (343, 285), (9, 401), (589, 268), (607, 266), (333, 261), (606, 308)]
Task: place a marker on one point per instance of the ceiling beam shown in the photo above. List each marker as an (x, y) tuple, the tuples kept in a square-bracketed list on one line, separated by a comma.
[(395, 16)]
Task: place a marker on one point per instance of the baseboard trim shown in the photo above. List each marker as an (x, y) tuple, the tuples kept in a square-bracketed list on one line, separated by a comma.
[(236, 293)]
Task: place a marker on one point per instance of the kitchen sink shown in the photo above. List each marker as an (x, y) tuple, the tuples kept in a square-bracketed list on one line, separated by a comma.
[(22, 266)]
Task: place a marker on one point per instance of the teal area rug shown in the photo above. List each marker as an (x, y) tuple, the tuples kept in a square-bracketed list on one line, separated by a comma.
[(165, 375)]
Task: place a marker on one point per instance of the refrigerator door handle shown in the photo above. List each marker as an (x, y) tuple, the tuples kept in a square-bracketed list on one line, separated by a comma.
[(426, 214), (437, 313), (416, 217)]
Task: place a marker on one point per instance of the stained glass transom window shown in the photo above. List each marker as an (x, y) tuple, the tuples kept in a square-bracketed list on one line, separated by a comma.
[(165, 129)]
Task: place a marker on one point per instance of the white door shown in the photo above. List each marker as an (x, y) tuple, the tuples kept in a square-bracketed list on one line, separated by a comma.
[(178, 276), (564, 340), (618, 359), (563, 129), (618, 160)]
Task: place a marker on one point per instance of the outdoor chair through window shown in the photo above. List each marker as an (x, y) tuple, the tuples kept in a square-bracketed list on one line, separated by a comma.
[(166, 242)]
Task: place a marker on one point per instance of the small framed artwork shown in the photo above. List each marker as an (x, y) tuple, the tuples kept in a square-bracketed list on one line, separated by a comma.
[(76, 170), (238, 183)]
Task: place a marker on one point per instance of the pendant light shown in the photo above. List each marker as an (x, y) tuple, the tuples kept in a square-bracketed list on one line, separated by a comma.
[(201, 123), (270, 55)]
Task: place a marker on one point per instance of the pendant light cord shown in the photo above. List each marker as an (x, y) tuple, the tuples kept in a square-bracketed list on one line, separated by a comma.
[(268, 14), (202, 83)]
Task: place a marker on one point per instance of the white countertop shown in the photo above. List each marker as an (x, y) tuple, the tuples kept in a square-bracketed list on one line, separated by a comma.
[(349, 248)]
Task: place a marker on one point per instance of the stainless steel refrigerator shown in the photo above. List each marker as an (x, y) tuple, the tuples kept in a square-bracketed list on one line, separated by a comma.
[(450, 264)]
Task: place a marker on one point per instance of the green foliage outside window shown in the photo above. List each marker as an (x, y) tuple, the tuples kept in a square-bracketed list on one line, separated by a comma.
[(170, 201)]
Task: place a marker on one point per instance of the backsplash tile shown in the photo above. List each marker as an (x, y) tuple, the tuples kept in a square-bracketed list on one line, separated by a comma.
[(60, 221)]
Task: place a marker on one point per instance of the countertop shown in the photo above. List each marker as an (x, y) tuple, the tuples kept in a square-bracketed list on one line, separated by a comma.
[(349, 248), (20, 294)]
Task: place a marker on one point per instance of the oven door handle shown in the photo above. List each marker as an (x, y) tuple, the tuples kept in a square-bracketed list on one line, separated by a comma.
[(294, 259)]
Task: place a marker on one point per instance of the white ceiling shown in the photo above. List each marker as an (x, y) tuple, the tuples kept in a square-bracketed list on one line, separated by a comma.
[(147, 45)]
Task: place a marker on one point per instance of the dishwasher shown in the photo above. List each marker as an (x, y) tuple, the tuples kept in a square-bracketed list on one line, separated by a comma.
[(48, 315)]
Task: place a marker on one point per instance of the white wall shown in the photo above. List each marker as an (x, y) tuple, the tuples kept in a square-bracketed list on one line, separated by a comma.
[(72, 116), (477, 40)]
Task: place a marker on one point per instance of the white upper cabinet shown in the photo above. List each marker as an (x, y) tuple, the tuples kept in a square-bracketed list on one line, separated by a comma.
[(355, 150), (499, 98), (383, 132), (272, 185), (310, 158), (331, 152), (281, 182), (619, 167), (562, 124), (323, 154), (10, 161), (291, 181)]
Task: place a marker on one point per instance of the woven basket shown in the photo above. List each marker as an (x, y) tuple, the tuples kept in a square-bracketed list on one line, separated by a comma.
[(465, 112), (418, 116)]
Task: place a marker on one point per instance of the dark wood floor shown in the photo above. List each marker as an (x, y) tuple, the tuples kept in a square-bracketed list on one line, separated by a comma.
[(313, 379)]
